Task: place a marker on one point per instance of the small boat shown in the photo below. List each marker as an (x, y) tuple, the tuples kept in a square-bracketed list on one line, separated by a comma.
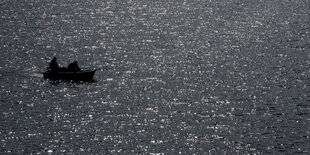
[(83, 75)]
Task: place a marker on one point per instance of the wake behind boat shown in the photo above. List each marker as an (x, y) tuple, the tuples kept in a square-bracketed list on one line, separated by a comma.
[(83, 75)]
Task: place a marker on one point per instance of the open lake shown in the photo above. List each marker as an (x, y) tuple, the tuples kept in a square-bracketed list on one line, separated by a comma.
[(173, 77)]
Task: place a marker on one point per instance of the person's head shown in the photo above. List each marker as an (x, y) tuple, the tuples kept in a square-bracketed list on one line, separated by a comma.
[(75, 62), (54, 58)]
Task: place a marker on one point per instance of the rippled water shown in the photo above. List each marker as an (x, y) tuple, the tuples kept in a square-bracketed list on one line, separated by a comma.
[(174, 76)]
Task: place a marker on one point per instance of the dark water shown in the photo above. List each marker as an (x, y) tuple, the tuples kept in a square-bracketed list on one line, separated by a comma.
[(174, 76)]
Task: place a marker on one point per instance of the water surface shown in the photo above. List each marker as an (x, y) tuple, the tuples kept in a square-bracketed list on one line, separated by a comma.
[(173, 76)]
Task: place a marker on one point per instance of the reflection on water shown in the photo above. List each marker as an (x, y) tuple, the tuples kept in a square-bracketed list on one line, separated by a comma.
[(187, 77)]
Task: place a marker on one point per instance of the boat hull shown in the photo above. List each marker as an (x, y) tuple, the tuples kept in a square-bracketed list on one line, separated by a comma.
[(85, 75)]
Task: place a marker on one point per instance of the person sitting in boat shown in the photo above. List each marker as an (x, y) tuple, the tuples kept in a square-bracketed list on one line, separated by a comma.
[(73, 67), (53, 66)]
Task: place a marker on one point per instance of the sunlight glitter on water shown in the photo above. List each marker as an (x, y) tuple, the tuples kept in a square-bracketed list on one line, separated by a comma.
[(188, 77)]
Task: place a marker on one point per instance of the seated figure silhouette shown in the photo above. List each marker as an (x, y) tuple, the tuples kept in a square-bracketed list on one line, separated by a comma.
[(73, 67), (53, 66)]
